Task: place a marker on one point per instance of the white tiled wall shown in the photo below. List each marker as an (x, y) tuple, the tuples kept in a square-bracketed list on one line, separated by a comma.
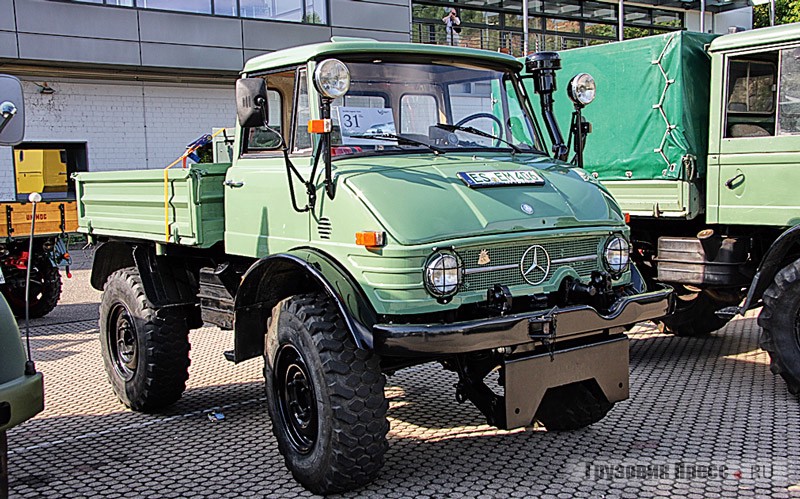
[(125, 125)]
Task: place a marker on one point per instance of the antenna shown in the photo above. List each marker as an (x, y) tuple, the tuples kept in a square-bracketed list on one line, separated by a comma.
[(30, 367)]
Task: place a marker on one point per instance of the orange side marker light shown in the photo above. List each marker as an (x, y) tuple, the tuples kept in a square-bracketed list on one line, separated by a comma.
[(370, 239)]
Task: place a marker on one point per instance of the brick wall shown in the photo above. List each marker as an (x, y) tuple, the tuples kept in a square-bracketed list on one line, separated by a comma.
[(125, 125)]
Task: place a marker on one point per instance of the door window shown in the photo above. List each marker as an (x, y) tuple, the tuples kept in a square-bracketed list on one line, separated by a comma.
[(789, 106), (750, 101)]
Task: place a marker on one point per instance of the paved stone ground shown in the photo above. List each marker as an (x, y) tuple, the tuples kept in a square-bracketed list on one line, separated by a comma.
[(694, 403)]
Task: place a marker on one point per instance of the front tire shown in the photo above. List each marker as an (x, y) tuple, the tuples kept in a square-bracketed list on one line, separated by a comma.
[(572, 407), (780, 325), (145, 350), (325, 397)]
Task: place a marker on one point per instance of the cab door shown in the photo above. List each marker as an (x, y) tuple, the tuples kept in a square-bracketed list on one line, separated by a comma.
[(259, 216), (758, 161)]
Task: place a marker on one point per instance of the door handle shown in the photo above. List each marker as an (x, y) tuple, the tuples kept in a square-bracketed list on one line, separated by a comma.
[(233, 183), (734, 180)]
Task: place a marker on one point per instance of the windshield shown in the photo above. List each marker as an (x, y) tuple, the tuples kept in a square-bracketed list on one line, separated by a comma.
[(397, 106)]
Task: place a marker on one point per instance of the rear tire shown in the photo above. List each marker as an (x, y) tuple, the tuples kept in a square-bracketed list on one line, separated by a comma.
[(572, 407), (780, 325), (145, 350), (45, 292), (694, 315), (325, 397)]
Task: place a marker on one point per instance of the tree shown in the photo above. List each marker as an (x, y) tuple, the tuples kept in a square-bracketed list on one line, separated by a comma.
[(786, 11)]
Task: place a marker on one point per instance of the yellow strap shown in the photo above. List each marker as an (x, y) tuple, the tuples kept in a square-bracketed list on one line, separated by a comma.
[(166, 183)]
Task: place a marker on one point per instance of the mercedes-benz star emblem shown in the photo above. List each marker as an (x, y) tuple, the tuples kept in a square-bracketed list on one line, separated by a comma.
[(535, 264)]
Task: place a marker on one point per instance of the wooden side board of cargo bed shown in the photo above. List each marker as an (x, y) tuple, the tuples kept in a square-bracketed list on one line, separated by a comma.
[(52, 218), (131, 204)]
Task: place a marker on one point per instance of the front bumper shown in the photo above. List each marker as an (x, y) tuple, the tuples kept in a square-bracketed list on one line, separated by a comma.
[(557, 324), (20, 399)]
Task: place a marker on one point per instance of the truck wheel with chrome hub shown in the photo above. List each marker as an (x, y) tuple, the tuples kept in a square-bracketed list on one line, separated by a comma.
[(145, 350), (780, 323), (325, 397)]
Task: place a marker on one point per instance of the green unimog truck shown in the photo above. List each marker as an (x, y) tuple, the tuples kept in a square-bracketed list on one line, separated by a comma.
[(21, 389), (698, 138), (388, 205)]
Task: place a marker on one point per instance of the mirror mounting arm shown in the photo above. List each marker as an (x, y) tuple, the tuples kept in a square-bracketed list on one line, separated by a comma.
[(325, 146)]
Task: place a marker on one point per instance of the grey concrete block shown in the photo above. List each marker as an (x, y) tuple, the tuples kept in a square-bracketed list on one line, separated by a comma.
[(8, 44), (266, 36), (166, 27), (354, 14), (73, 49), (191, 57), (83, 20)]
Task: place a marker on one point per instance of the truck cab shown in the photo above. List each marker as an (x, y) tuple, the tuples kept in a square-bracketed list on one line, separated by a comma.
[(387, 205)]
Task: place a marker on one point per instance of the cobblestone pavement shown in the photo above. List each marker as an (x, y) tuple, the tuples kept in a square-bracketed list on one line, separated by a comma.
[(698, 407)]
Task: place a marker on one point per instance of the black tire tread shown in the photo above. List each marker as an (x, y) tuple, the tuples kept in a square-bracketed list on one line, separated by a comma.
[(571, 407), (356, 389), (167, 348), (51, 293), (786, 282)]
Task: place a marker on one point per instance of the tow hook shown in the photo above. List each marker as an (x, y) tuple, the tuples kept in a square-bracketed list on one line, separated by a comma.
[(544, 329)]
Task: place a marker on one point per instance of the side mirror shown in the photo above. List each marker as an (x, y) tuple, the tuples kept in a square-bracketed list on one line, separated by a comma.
[(12, 111), (251, 102)]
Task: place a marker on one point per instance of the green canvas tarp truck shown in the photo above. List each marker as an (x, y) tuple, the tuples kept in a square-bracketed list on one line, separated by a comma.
[(698, 138), (387, 205)]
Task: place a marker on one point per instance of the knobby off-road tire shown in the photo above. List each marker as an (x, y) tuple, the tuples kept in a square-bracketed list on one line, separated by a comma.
[(45, 293), (145, 351), (325, 397), (694, 315), (572, 407), (780, 325)]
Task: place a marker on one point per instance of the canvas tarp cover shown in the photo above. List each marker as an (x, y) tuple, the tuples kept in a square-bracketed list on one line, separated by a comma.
[(629, 129)]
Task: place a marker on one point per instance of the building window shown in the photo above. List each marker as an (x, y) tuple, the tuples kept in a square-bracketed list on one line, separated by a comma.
[(552, 25), (300, 11)]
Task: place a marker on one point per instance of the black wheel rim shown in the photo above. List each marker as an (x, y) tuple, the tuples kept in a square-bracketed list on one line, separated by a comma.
[(295, 398), (122, 341)]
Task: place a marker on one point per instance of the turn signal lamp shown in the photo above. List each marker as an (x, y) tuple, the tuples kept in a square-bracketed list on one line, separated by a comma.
[(319, 126), (627, 218), (370, 239)]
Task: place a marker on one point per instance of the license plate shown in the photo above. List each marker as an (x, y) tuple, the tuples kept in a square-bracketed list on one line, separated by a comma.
[(477, 180)]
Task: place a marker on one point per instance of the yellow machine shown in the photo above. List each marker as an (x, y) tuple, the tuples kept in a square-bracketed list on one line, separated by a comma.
[(40, 170)]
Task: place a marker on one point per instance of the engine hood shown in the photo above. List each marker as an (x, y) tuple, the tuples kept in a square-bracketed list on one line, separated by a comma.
[(421, 198)]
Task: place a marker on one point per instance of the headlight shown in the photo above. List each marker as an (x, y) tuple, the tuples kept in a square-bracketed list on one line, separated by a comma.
[(581, 89), (617, 255), (332, 78), (443, 274)]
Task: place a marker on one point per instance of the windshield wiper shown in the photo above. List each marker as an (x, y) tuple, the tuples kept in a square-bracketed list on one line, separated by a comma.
[(400, 140), (475, 131)]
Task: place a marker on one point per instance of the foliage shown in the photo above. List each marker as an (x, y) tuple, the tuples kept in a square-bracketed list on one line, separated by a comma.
[(786, 11)]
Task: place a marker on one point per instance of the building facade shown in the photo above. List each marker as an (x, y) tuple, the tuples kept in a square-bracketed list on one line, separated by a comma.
[(129, 83)]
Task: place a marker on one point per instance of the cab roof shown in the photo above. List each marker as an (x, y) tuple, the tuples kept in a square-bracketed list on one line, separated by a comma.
[(757, 37), (351, 46)]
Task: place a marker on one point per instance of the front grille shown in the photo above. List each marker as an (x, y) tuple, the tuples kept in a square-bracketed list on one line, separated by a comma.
[(504, 261)]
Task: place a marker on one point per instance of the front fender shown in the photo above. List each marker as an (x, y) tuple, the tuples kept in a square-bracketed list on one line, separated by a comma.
[(301, 270), (770, 265)]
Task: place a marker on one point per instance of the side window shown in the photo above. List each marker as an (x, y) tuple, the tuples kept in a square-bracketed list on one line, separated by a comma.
[(302, 139), (417, 113), (263, 138), (789, 105), (520, 127), (280, 92), (750, 104)]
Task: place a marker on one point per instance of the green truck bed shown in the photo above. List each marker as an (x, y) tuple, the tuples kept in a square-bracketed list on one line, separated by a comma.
[(649, 137), (131, 204)]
